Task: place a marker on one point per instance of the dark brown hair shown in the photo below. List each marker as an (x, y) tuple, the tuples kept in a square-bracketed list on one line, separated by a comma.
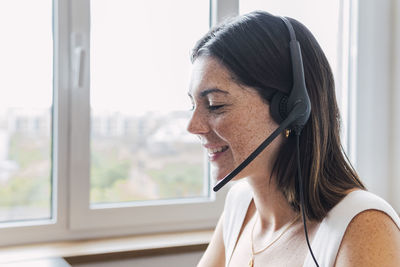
[(255, 48)]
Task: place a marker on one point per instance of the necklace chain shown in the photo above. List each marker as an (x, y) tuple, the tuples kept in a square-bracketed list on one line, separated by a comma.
[(253, 253)]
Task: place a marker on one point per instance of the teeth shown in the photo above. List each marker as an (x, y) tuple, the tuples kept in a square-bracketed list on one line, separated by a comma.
[(216, 150)]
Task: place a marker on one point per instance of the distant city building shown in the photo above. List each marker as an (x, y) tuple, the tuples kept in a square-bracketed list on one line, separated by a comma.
[(27, 121)]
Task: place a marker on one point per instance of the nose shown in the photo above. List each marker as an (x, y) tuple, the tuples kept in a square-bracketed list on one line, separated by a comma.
[(198, 123)]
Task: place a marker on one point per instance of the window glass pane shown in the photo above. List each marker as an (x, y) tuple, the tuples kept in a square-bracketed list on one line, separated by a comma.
[(26, 53), (140, 69)]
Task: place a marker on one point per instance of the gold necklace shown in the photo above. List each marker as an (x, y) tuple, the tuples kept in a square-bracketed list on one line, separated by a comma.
[(253, 253)]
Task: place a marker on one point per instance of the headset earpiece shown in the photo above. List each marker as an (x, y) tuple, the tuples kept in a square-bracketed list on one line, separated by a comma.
[(297, 102), (278, 106)]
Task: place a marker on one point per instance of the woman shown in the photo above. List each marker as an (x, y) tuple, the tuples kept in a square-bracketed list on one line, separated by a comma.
[(238, 67)]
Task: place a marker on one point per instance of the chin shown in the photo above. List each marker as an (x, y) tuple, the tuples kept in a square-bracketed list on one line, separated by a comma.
[(218, 174)]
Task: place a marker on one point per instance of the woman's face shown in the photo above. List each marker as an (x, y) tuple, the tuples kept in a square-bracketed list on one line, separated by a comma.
[(231, 120)]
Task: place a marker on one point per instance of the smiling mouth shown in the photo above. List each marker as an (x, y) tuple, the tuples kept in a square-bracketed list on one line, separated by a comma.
[(214, 151)]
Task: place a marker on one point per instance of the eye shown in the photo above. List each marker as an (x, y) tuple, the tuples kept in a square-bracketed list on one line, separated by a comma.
[(215, 107)]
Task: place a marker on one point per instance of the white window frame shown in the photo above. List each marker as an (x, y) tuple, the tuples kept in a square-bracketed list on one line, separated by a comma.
[(346, 82), (395, 111)]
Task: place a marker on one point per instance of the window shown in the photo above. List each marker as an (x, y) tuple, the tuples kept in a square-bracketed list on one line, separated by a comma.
[(131, 157), (93, 129)]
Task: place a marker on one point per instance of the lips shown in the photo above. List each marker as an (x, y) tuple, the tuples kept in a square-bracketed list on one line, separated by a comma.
[(214, 152)]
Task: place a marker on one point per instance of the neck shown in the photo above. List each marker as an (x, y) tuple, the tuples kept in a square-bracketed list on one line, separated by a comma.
[(272, 206)]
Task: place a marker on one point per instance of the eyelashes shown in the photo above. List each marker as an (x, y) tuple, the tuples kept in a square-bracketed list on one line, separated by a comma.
[(210, 108), (215, 107)]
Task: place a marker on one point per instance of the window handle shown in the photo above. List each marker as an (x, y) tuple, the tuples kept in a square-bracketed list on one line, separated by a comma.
[(77, 69), (78, 57)]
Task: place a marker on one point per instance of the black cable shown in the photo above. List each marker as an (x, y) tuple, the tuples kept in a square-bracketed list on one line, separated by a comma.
[(302, 194)]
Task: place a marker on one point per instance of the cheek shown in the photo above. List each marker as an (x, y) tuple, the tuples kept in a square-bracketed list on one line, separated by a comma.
[(244, 135), (231, 130)]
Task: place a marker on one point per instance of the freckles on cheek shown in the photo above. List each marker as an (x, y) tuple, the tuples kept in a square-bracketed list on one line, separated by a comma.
[(225, 127), (236, 135), (246, 135)]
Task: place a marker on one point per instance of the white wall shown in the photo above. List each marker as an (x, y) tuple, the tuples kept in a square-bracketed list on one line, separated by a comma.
[(377, 111)]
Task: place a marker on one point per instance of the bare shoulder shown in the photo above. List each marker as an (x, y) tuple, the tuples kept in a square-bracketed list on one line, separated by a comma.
[(371, 239)]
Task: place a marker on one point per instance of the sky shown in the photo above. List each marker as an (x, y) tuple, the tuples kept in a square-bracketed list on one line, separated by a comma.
[(26, 53)]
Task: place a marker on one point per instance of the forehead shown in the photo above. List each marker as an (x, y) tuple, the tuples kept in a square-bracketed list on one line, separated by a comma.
[(208, 73)]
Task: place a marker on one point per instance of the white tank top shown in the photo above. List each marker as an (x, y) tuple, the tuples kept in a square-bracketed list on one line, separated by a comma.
[(328, 237)]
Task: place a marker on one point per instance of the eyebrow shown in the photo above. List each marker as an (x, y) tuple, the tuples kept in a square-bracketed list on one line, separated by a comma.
[(210, 91), (213, 90)]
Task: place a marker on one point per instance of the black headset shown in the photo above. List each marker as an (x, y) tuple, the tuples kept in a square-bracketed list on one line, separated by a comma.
[(298, 101), (291, 112)]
